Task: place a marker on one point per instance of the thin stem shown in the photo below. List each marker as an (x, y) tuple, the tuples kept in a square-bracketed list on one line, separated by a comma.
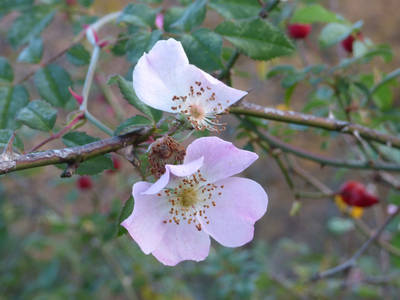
[(98, 124), (89, 77), (251, 109), (267, 7), (231, 62), (110, 98), (353, 260), (59, 134), (268, 149)]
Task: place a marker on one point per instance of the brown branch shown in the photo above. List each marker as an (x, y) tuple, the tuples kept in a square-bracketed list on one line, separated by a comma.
[(275, 142), (351, 262), (250, 109), (74, 154)]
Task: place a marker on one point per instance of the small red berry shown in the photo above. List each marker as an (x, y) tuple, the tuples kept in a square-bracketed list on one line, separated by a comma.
[(348, 42), (354, 193), (299, 31), (84, 183)]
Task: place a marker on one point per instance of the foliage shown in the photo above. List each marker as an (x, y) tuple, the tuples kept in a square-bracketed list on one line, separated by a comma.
[(53, 249)]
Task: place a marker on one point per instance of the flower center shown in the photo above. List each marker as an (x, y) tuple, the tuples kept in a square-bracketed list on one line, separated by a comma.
[(190, 200), (197, 112), (200, 107)]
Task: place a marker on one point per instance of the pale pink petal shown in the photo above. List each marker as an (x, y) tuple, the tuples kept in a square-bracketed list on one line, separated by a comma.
[(165, 73), (221, 159), (231, 221), (176, 170), (145, 224), (158, 75), (225, 95), (182, 242)]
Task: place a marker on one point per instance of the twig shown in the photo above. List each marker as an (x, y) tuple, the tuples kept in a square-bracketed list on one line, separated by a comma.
[(267, 7), (76, 154), (60, 133), (318, 158), (250, 109), (226, 72), (353, 260)]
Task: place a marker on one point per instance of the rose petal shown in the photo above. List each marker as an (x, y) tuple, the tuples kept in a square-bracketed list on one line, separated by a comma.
[(145, 224), (241, 204), (176, 170), (225, 95), (158, 75), (182, 242), (221, 159), (165, 73)]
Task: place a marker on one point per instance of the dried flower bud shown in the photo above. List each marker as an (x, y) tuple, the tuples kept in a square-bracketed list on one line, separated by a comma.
[(164, 151)]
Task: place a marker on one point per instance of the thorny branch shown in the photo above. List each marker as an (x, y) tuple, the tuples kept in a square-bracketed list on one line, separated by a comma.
[(275, 142), (15, 162), (250, 109)]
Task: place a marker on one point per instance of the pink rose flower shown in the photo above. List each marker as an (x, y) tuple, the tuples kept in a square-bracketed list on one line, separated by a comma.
[(174, 217), (164, 79)]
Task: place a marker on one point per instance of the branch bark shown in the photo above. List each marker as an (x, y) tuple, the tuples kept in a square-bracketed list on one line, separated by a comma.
[(73, 154), (275, 142), (251, 109)]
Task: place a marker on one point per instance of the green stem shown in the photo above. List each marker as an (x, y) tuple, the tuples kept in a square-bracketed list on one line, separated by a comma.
[(98, 124), (231, 62)]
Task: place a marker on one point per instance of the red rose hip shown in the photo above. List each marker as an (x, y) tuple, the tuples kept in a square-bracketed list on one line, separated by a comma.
[(299, 31)]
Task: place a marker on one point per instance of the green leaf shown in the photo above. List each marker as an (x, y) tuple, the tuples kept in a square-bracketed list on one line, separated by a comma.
[(10, 5), (125, 213), (314, 13), (91, 166), (340, 225), (86, 3), (138, 14), (383, 96), (33, 52), (204, 48), (38, 115), (12, 99), (52, 83), (5, 135), (256, 38), (78, 55), (6, 72), (142, 43), (171, 16), (193, 16), (131, 123), (29, 25), (129, 94), (333, 33), (236, 9)]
